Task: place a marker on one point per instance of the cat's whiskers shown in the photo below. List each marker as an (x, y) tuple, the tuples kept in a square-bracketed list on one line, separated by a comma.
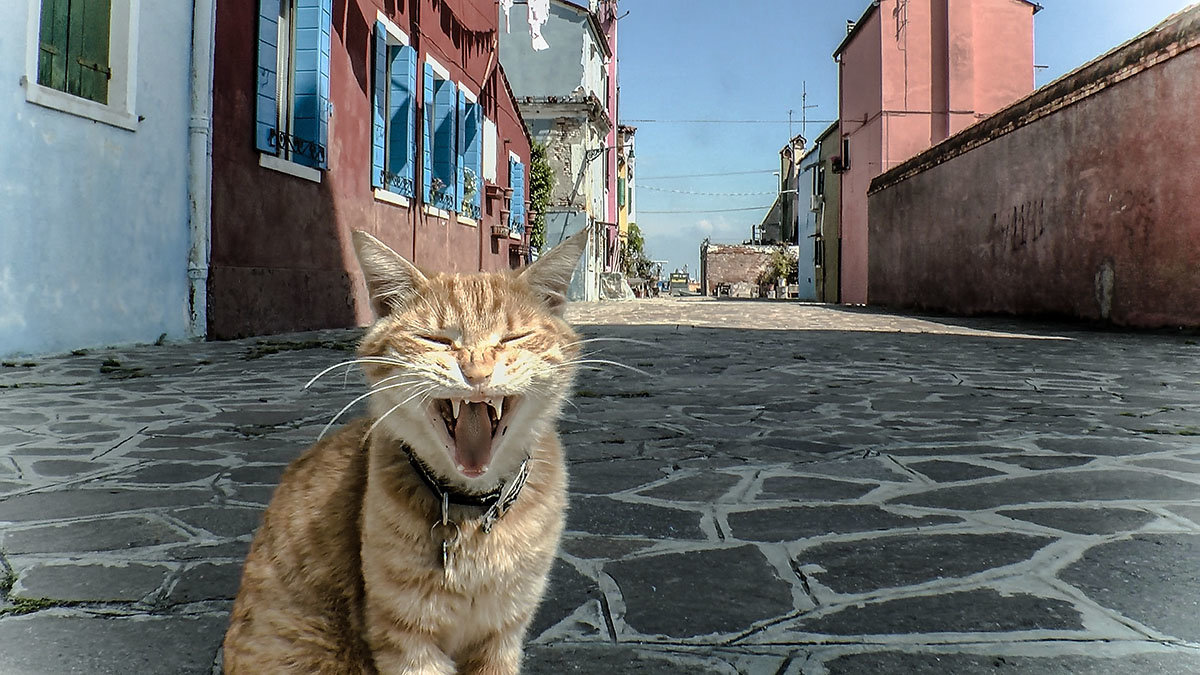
[(588, 362), (372, 391), (346, 364), (609, 339)]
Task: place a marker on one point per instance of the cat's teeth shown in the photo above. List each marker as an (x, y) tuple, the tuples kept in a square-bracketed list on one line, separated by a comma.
[(498, 404), (455, 404)]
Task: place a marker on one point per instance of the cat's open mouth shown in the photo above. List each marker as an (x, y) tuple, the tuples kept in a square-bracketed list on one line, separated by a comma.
[(474, 428)]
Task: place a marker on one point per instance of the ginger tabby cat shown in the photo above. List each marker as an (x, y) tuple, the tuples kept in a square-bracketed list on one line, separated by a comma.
[(419, 539)]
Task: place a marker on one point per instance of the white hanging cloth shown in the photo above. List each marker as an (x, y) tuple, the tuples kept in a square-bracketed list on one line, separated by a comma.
[(506, 5), (539, 12)]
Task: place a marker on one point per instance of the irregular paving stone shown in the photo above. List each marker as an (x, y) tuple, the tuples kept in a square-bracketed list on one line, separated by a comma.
[(1178, 663), (1084, 521), (1189, 511), (1073, 486), (1170, 465), (65, 467), (798, 522), (944, 472), (1103, 446), (567, 591), (225, 521), (903, 560), (600, 515), (602, 548), (706, 487), (804, 489), (700, 592), (1042, 462), (589, 659), (110, 645), (1151, 578), (236, 550), (982, 610), (870, 468), (173, 472), (207, 581), (101, 534), (946, 450), (264, 474), (90, 583)]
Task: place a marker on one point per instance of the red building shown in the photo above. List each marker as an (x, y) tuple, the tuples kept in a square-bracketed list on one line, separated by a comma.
[(390, 116), (911, 73), (1077, 201)]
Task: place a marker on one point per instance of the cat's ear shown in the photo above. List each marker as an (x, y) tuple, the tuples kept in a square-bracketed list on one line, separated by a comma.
[(390, 278), (550, 275)]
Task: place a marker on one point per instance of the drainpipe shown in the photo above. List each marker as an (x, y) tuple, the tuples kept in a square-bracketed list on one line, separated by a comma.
[(204, 15)]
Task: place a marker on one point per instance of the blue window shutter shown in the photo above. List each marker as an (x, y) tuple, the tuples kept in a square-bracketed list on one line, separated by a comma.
[(427, 131), (379, 109), (516, 216), (311, 107), (472, 150), (266, 109), (461, 114), (444, 160), (401, 106)]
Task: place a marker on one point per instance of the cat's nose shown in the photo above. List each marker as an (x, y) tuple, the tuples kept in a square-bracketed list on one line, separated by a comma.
[(475, 371)]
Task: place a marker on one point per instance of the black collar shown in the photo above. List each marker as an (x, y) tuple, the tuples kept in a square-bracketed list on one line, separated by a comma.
[(455, 495)]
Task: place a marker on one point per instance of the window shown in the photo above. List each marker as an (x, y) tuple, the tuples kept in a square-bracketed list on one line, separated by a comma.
[(845, 154), (394, 119), (80, 58), (470, 154), (439, 169), (73, 47), (292, 99), (516, 180)]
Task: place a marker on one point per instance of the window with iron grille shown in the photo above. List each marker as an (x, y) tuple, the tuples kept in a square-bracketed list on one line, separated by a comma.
[(292, 98), (394, 120)]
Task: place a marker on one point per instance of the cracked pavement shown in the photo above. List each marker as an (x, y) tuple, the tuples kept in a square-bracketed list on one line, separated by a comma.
[(785, 489)]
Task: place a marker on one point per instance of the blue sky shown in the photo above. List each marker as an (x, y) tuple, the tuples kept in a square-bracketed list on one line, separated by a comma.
[(748, 60)]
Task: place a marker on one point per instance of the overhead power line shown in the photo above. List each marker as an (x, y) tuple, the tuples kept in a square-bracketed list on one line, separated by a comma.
[(723, 121), (713, 194), (749, 208), (705, 175)]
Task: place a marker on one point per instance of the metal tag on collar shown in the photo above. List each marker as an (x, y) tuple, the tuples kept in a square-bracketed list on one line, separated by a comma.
[(445, 508)]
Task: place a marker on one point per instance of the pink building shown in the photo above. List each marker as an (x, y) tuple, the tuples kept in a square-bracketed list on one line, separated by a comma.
[(912, 73)]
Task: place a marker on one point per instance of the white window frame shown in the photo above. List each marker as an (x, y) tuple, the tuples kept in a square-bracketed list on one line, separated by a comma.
[(400, 38), (122, 62)]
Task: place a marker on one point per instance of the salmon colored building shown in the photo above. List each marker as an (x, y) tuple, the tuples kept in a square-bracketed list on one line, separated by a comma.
[(390, 116), (912, 73)]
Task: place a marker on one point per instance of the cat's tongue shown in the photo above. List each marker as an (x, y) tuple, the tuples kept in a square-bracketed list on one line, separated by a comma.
[(473, 438)]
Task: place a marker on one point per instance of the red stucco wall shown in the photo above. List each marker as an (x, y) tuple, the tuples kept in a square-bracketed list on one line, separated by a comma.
[(913, 72), (281, 255), (1088, 211)]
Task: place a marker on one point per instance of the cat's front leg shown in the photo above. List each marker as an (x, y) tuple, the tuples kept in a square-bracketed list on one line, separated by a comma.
[(499, 654), (411, 654)]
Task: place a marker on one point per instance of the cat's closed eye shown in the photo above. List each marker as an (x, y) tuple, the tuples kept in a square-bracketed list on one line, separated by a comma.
[(515, 337), (438, 340)]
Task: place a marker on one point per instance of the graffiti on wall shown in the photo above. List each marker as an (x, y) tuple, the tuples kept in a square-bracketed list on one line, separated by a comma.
[(1024, 225)]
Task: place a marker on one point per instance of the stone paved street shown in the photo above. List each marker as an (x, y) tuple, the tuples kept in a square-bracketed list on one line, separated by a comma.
[(787, 489)]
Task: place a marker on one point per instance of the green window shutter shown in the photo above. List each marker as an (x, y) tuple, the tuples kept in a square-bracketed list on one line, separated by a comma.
[(87, 49), (52, 48)]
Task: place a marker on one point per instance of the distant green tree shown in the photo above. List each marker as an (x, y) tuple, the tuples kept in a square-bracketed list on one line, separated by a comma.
[(634, 260), (781, 265), (541, 184)]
